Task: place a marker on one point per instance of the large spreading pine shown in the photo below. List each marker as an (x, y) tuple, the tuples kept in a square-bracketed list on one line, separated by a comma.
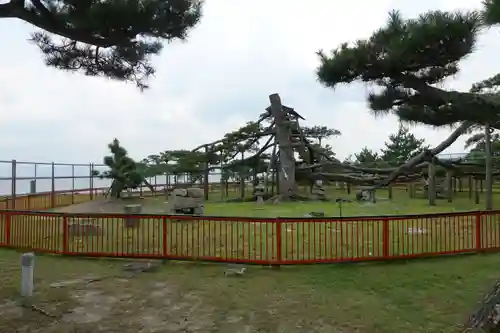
[(111, 38), (406, 60)]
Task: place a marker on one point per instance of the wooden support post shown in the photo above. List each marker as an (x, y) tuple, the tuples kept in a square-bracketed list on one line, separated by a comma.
[(431, 184)]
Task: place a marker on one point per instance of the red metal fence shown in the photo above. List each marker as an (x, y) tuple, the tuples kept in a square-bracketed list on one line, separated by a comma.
[(251, 240)]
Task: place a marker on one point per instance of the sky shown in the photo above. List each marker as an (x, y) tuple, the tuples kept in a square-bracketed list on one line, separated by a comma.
[(220, 78)]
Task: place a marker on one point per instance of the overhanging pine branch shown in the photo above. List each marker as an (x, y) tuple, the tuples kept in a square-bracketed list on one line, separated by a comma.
[(44, 21), (425, 155)]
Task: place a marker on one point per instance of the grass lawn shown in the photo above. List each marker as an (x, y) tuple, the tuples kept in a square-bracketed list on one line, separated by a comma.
[(417, 296), (432, 295)]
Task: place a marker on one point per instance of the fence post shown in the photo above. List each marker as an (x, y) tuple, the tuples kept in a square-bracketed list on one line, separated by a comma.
[(91, 180), (65, 248), (279, 243), (53, 186), (206, 174), (385, 238), (72, 184), (27, 274), (479, 242), (8, 223), (164, 237), (13, 185)]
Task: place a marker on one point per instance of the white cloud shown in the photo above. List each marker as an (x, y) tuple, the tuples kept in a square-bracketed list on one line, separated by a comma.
[(241, 52)]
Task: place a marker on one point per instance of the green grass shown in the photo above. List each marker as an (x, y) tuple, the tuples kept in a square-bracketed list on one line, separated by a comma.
[(416, 296), (432, 295)]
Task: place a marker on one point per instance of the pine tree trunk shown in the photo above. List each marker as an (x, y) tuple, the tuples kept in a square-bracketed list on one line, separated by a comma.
[(431, 184), (471, 187), (287, 184), (449, 186), (242, 178), (489, 171), (476, 190), (206, 175)]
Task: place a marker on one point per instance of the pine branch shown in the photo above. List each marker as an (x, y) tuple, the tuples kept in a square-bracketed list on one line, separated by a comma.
[(108, 38), (406, 58), (491, 15)]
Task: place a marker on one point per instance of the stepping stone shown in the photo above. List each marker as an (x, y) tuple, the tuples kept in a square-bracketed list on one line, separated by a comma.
[(66, 283)]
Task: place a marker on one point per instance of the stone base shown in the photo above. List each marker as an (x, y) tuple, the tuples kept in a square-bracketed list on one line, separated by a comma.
[(132, 222), (190, 210), (181, 211), (200, 210), (260, 199), (318, 197), (318, 193)]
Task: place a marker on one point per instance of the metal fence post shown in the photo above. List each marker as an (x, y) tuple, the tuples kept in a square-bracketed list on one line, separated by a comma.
[(13, 184), (7, 230), (164, 237), (279, 243), (53, 187), (206, 174), (385, 238), (72, 184), (479, 233), (65, 244), (91, 180)]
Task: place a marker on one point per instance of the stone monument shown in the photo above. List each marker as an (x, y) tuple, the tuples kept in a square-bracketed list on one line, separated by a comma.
[(366, 194), (258, 192), (318, 192), (187, 201)]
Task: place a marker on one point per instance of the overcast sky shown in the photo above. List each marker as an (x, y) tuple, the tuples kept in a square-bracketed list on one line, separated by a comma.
[(220, 78)]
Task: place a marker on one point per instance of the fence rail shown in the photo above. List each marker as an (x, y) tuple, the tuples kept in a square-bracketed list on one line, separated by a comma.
[(278, 241), (53, 199)]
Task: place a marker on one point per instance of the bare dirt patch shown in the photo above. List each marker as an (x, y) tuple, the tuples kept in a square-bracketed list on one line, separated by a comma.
[(155, 205)]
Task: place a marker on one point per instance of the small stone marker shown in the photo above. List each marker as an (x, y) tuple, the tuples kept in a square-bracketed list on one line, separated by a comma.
[(317, 214), (235, 270), (27, 274), (141, 266), (132, 222)]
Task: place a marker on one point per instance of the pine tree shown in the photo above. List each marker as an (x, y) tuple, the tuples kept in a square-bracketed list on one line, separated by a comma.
[(407, 58), (123, 171), (111, 38), (320, 133), (402, 146), (367, 158)]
